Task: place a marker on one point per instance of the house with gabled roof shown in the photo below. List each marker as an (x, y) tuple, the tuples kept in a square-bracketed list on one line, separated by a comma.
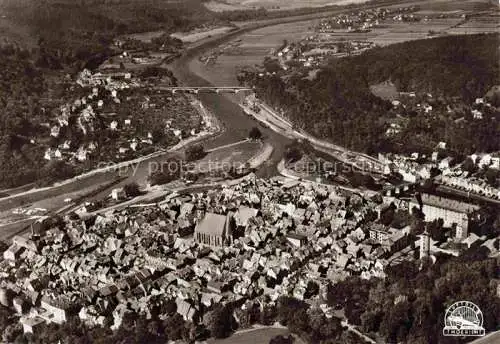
[(186, 309), (243, 216)]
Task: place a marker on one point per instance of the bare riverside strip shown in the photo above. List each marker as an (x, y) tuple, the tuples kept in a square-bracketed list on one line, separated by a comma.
[(281, 125)]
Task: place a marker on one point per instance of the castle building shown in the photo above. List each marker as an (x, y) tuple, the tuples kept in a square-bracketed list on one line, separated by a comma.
[(452, 212)]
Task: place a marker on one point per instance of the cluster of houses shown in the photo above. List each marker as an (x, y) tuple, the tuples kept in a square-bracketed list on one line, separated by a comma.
[(480, 109), (408, 167), (103, 88), (366, 19), (257, 239), (99, 110), (461, 179), (417, 168), (424, 104), (315, 49)]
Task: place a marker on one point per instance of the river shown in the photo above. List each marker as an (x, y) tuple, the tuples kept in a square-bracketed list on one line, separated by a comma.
[(246, 46), (255, 42), (189, 71)]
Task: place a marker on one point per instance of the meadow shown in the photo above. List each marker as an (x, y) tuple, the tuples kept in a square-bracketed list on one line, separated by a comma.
[(196, 35), (222, 159), (250, 48), (232, 5), (253, 336)]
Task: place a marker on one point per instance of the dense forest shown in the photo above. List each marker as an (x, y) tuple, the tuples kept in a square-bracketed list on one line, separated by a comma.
[(338, 104), (21, 84), (79, 32), (409, 306)]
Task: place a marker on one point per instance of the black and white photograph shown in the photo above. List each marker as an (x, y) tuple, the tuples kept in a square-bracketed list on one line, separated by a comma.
[(249, 171)]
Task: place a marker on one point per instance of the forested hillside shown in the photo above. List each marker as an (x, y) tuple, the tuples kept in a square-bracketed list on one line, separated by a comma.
[(409, 306), (21, 85), (339, 105), (70, 32), (464, 66)]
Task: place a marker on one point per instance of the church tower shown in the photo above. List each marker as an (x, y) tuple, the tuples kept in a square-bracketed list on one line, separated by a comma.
[(425, 244), (462, 229)]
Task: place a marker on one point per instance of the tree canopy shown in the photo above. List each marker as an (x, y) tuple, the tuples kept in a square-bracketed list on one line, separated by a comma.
[(338, 103)]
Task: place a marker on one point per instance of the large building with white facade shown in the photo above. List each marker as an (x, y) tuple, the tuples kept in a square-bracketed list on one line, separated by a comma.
[(451, 211)]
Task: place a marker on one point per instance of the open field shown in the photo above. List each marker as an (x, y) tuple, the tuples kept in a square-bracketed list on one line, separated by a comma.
[(251, 47), (385, 90), (10, 230), (402, 32), (398, 32), (232, 5), (145, 36), (193, 36), (255, 336), (441, 6), (225, 158), (478, 25)]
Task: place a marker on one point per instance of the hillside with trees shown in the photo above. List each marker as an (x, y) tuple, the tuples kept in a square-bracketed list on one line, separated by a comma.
[(339, 105), (79, 32), (409, 306), (21, 85)]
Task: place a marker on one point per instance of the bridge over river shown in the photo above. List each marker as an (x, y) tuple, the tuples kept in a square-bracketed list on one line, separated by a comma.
[(206, 89)]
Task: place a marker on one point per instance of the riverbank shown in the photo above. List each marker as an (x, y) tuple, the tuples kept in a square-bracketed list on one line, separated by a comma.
[(273, 120), (260, 157)]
